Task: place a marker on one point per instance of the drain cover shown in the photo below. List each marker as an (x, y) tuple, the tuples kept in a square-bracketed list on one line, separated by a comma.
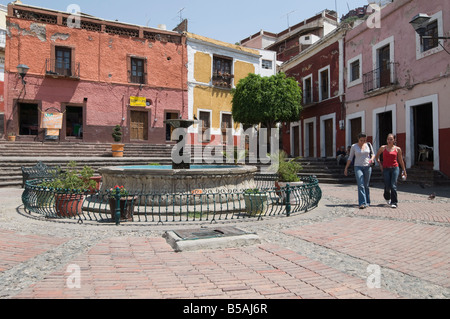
[(209, 238), (203, 233)]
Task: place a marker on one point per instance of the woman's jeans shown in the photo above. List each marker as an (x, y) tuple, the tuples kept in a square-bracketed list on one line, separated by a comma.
[(362, 174), (390, 176)]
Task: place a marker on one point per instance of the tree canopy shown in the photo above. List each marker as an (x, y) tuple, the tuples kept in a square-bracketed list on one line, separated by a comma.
[(266, 100)]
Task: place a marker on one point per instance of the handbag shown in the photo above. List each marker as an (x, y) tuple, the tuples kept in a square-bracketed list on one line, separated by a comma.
[(370, 155)]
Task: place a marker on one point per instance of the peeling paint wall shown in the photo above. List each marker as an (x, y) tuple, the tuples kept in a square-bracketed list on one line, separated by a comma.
[(103, 88)]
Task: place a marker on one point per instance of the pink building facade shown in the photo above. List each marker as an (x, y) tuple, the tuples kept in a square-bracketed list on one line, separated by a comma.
[(99, 74), (396, 83)]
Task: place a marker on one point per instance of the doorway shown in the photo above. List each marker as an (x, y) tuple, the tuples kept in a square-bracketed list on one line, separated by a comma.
[(355, 129), (384, 127), (169, 128), (296, 133), (28, 119), (329, 138), (423, 145), (227, 123), (139, 126), (74, 122)]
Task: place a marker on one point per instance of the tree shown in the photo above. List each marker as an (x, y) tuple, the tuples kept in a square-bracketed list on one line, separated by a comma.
[(266, 100)]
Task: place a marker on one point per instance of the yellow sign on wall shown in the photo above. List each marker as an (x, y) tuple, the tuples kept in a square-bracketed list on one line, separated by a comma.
[(138, 101)]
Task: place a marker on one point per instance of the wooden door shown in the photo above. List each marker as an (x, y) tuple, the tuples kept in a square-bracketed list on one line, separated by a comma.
[(227, 123), (311, 140), (384, 66), (328, 138), (356, 125), (206, 125), (296, 141), (63, 61), (139, 126)]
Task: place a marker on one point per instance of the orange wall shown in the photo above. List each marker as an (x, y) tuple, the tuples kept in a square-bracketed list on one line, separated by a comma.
[(102, 56)]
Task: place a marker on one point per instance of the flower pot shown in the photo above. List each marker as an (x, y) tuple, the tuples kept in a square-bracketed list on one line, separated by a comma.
[(280, 186), (11, 138), (255, 204), (126, 208), (117, 150), (98, 180), (69, 205)]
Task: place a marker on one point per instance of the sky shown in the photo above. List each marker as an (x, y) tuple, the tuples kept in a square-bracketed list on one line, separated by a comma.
[(229, 21)]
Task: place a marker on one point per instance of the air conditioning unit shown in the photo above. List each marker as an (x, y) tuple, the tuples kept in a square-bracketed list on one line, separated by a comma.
[(309, 39)]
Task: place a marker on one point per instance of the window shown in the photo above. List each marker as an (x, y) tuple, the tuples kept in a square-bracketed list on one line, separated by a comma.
[(137, 71), (434, 28), (431, 30), (307, 90), (222, 72), (63, 61), (267, 64), (354, 70), (324, 83)]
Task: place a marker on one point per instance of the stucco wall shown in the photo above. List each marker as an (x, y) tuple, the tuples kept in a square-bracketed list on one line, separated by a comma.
[(103, 80)]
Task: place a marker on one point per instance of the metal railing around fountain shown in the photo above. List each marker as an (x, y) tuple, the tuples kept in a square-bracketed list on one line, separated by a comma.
[(110, 207)]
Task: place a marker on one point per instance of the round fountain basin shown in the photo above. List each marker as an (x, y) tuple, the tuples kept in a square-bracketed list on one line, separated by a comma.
[(148, 179)]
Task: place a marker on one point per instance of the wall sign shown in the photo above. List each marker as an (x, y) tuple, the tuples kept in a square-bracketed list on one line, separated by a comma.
[(138, 101)]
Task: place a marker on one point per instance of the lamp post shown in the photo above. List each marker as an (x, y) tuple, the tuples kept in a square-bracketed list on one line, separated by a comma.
[(419, 23), (22, 69)]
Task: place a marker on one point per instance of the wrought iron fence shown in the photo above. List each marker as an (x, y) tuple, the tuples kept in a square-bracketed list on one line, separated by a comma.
[(110, 207)]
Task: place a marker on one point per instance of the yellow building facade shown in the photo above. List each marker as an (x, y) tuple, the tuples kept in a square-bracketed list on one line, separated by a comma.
[(214, 69)]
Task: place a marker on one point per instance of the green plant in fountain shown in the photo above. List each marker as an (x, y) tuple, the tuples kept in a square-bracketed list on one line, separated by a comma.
[(237, 156), (72, 178)]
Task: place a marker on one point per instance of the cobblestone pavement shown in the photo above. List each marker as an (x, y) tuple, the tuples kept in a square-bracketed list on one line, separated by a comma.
[(334, 251)]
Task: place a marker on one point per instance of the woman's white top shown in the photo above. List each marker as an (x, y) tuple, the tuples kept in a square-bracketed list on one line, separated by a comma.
[(362, 156)]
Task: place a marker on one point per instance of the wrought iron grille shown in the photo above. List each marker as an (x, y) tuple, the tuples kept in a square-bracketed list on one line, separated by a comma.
[(103, 206), (58, 68), (381, 77)]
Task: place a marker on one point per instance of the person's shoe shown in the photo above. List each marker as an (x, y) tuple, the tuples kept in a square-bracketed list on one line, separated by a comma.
[(394, 206), (362, 206), (388, 202)]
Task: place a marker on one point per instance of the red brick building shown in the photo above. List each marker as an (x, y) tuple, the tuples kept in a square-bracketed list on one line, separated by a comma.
[(319, 131), (92, 73)]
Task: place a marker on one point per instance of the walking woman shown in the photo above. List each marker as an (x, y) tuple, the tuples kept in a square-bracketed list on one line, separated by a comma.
[(392, 159), (364, 157)]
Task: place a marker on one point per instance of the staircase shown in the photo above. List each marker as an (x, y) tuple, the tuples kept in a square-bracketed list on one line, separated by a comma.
[(13, 155)]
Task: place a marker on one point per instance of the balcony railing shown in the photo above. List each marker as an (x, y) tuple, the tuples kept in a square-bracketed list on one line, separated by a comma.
[(57, 68), (380, 78)]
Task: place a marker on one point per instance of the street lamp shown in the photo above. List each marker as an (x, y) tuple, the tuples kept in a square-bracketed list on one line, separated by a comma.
[(22, 69), (419, 23)]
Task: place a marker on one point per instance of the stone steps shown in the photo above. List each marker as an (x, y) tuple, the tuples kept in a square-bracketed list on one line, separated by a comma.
[(13, 155)]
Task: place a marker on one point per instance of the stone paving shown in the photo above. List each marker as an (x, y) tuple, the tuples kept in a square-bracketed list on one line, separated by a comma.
[(326, 253)]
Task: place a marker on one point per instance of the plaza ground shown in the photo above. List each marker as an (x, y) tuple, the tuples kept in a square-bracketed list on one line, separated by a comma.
[(326, 253)]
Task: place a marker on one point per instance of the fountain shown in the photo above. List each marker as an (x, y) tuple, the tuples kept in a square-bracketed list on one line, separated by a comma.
[(180, 177)]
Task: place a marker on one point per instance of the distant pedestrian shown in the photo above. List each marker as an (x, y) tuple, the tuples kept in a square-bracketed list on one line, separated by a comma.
[(363, 154), (392, 159)]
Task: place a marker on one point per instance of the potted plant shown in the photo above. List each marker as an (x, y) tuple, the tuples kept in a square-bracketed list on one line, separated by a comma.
[(70, 187), (255, 202), (11, 137), (287, 170), (117, 148), (126, 203)]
